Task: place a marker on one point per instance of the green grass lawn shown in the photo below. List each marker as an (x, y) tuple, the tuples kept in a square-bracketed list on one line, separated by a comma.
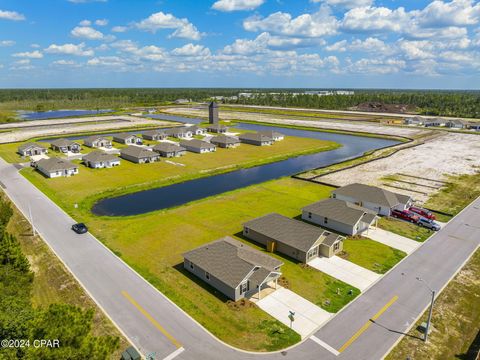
[(371, 255), (455, 321), (153, 243), (406, 229), (460, 191)]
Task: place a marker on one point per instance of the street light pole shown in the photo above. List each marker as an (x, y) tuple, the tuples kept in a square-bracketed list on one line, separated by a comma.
[(429, 320), (429, 317)]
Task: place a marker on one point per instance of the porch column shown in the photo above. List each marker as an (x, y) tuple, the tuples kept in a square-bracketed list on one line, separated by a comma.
[(259, 288), (276, 280)]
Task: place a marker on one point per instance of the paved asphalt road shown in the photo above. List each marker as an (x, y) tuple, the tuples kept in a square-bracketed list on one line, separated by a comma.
[(154, 324)]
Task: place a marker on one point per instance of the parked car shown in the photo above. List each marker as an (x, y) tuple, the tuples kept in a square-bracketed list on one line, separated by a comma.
[(429, 224), (422, 212), (406, 215), (80, 228)]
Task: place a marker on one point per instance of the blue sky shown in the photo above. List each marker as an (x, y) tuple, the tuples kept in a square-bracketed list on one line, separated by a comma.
[(240, 43)]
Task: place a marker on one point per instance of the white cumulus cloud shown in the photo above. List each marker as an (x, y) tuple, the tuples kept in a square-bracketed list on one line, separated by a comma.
[(101, 22), (11, 15), (236, 5), (69, 49), (349, 4), (183, 28), (30, 55), (7, 43), (86, 32)]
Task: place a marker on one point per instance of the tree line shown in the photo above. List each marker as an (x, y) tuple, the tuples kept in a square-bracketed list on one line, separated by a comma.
[(427, 102), (71, 325)]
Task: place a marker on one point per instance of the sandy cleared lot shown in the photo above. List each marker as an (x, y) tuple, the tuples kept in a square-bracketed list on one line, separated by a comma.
[(448, 154), (373, 128), (29, 129)]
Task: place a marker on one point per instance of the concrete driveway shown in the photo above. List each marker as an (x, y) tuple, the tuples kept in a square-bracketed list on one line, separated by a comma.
[(346, 271), (308, 316), (393, 240)]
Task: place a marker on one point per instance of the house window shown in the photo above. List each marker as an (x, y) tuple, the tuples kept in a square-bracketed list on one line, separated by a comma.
[(334, 196), (207, 275), (325, 220), (309, 215), (336, 246), (244, 287), (246, 230), (191, 265)]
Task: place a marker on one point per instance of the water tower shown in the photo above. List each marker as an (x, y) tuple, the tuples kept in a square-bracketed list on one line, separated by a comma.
[(213, 113)]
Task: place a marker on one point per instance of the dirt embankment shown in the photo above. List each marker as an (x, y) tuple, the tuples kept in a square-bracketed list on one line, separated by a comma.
[(39, 128)]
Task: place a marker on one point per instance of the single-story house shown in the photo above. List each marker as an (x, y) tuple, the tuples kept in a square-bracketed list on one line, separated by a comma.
[(169, 150), (217, 128), (434, 122), (127, 139), (456, 124), (97, 141), (56, 167), (255, 139), (139, 155), (198, 146), (31, 149), (373, 198), (154, 135), (181, 101), (299, 240), (416, 120), (225, 141), (65, 145), (233, 268), (340, 216), (197, 130), (274, 135), (474, 126), (180, 132), (100, 159)]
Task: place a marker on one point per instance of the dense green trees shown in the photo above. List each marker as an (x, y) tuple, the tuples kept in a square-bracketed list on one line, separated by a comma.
[(68, 324), (446, 103)]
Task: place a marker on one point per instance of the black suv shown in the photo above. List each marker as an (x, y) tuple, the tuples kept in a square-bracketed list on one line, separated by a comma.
[(80, 228)]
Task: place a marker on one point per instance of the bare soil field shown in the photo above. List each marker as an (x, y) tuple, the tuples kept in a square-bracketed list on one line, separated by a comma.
[(31, 129), (418, 171), (317, 123)]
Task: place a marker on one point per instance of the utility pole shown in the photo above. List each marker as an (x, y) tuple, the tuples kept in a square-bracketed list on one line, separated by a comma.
[(31, 219), (429, 317), (429, 320)]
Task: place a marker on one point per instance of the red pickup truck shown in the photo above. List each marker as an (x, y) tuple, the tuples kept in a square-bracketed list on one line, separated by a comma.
[(406, 215), (422, 212)]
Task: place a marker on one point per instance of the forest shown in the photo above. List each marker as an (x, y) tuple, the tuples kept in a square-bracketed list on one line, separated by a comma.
[(425, 102), (19, 319)]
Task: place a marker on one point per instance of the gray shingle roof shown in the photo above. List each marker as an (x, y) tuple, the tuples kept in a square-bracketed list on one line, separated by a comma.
[(195, 143), (62, 142), (124, 136), (216, 127), (154, 132), (178, 130), (331, 238), (29, 145), (372, 194), (56, 164), (338, 210), (98, 156), (255, 137), (297, 234), (137, 152), (271, 133), (231, 261), (95, 138), (168, 147), (224, 139)]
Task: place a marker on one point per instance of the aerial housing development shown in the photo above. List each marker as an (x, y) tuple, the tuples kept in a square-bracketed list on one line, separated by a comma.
[(241, 180)]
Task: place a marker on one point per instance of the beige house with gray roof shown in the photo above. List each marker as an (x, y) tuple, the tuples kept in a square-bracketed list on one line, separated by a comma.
[(154, 135), (31, 149), (340, 216), (99, 159), (296, 239), (139, 155), (373, 198), (56, 167), (65, 145), (198, 146), (225, 141), (169, 150), (255, 139), (233, 268), (127, 139), (97, 141)]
